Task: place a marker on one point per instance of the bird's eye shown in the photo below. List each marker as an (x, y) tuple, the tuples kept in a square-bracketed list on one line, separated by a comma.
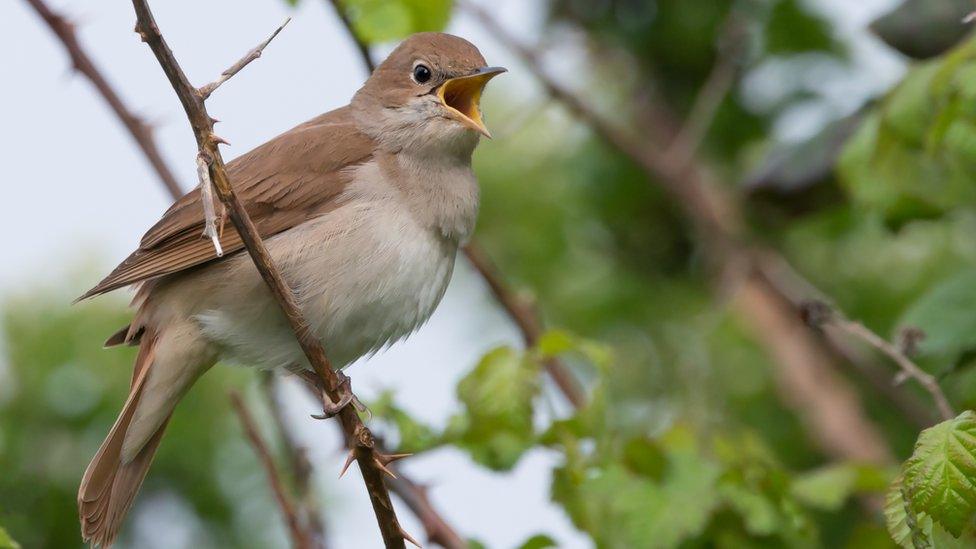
[(421, 73)]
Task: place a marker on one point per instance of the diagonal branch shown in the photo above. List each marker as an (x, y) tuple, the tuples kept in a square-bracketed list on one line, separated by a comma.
[(357, 435), (300, 539), (255, 53), (406, 489), (361, 45), (819, 314), (140, 131), (807, 377)]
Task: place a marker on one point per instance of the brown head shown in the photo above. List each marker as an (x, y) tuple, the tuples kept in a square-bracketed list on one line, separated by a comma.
[(429, 89)]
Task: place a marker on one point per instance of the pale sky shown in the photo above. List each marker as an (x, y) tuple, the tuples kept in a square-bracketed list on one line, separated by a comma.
[(78, 192)]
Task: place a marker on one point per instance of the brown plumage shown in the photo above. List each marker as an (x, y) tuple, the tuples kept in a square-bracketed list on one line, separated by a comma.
[(282, 183), (362, 208)]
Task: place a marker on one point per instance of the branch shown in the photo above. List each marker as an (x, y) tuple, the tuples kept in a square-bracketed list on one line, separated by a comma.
[(527, 320), (300, 539), (807, 378), (357, 435), (255, 53), (138, 129), (297, 457), (819, 313), (717, 85), (362, 46)]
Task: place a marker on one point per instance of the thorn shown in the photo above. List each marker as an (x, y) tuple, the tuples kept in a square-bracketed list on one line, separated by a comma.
[(386, 459), (220, 140), (408, 537), (382, 467), (214, 120), (349, 459)]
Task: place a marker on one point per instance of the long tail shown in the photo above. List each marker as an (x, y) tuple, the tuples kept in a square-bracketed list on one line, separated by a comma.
[(110, 483)]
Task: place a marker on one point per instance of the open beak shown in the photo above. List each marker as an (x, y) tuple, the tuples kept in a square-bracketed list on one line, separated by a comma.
[(462, 97)]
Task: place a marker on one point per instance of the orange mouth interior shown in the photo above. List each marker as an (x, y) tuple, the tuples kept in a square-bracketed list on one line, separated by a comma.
[(462, 96)]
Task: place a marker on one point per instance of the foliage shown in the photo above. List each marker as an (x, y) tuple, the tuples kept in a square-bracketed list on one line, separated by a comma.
[(686, 440)]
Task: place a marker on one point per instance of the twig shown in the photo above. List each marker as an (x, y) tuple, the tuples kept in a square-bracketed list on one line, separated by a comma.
[(819, 313), (357, 435), (717, 85), (825, 401), (297, 456), (299, 462), (299, 537), (138, 129), (437, 529), (362, 46), (255, 53), (526, 319)]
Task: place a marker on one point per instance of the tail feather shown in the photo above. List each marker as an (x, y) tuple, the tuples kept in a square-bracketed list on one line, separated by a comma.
[(110, 485)]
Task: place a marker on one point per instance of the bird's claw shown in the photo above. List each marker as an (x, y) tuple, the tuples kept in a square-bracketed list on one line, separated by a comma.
[(346, 397)]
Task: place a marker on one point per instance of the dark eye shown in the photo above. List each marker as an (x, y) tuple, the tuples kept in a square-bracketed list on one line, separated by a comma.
[(421, 73)]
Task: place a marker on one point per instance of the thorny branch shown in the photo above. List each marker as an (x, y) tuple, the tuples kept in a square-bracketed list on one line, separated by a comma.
[(357, 435), (438, 529), (807, 377), (820, 314), (299, 537)]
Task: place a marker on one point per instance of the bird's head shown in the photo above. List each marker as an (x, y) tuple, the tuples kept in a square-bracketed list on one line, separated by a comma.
[(426, 95)]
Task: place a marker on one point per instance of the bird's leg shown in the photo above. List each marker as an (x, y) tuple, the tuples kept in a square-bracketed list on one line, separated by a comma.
[(346, 396)]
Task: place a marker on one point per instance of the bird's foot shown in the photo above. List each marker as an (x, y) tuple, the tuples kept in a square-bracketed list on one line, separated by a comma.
[(346, 397)]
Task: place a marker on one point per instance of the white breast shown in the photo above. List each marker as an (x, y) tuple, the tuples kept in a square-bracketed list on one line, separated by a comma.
[(366, 274)]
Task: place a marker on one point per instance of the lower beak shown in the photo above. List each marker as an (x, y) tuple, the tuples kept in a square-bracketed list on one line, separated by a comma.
[(462, 97)]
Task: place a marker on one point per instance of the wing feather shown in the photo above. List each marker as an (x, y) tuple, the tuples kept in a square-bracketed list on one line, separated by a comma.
[(283, 183)]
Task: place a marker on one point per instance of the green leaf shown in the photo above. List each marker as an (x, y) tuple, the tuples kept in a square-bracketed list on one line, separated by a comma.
[(826, 488), (497, 396), (792, 29), (917, 531), (7, 542), (940, 477), (415, 437), (538, 541), (947, 315), (620, 508), (386, 20)]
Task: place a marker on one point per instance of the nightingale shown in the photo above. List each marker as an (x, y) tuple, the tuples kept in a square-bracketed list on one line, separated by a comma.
[(363, 210)]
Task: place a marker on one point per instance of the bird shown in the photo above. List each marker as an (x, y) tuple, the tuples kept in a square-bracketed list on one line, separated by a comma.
[(363, 210)]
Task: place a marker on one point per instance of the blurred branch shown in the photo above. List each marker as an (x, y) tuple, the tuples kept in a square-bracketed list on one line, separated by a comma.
[(140, 131), (362, 46), (297, 456), (357, 435), (526, 317), (808, 381), (820, 314), (300, 539), (713, 92)]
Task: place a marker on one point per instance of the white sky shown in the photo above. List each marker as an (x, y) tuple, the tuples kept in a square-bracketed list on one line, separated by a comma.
[(74, 186)]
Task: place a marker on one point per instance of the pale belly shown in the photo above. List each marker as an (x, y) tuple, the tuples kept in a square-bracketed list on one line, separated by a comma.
[(365, 275)]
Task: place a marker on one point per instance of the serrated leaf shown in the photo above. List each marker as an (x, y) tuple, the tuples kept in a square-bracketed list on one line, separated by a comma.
[(896, 516), (940, 477), (497, 396), (946, 313)]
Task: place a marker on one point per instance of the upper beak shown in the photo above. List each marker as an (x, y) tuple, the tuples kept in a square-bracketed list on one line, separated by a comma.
[(462, 96)]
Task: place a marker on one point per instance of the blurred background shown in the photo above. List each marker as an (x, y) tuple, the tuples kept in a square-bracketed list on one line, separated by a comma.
[(730, 160)]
